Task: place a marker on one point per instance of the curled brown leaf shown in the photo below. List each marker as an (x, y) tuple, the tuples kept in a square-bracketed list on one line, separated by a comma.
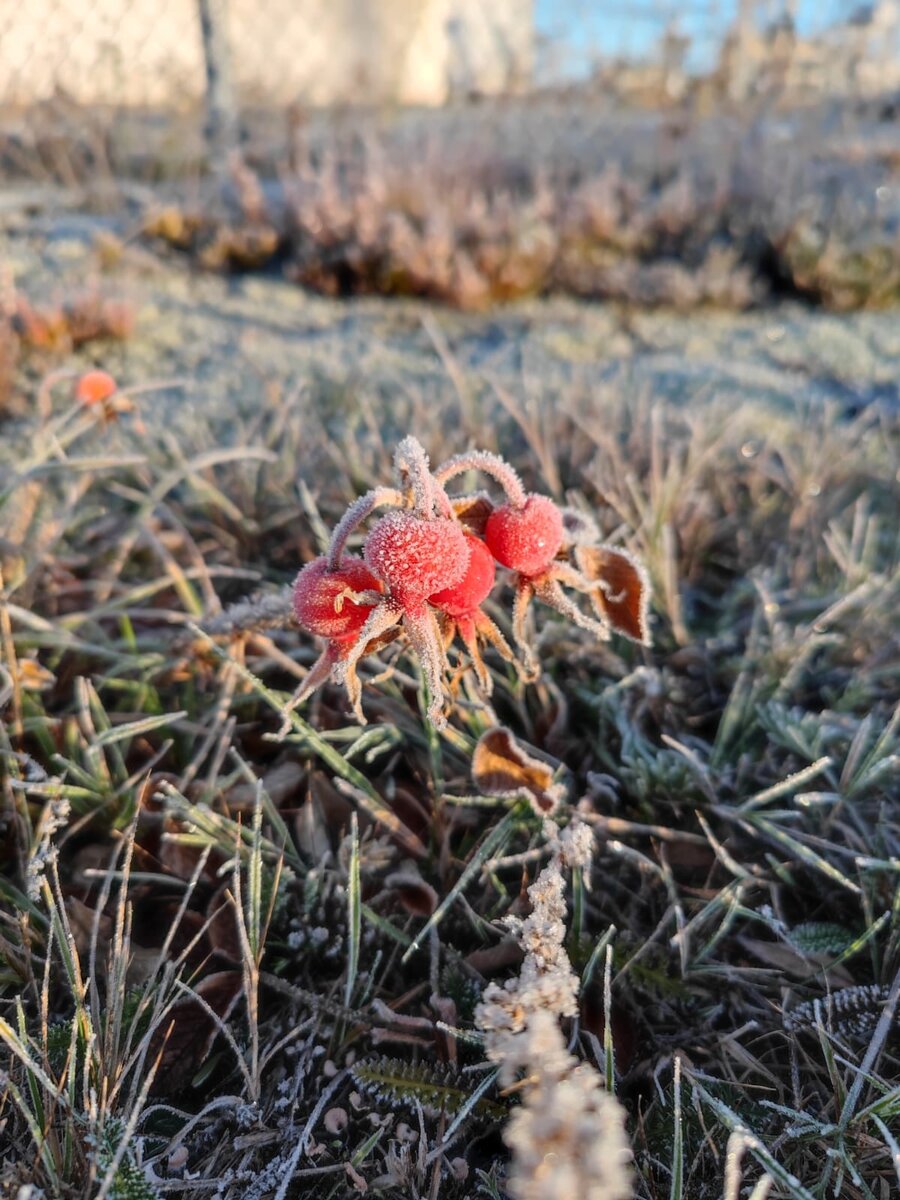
[(500, 767), (622, 594)]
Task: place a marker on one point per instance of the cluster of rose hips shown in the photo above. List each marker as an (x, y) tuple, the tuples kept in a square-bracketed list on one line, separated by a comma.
[(429, 564)]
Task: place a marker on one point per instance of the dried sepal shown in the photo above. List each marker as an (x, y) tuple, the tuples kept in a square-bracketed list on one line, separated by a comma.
[(531, 667), (622, 592), (549, 591), (473, 511), (317, 675), (424, 633), (383, 618), (500, 767), (478, 628), (332, 664)]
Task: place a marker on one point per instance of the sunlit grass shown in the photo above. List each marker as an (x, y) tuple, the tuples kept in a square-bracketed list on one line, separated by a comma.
[(220, 972)]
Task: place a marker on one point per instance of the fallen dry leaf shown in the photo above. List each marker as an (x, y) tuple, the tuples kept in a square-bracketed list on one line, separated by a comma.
[(500, 767)]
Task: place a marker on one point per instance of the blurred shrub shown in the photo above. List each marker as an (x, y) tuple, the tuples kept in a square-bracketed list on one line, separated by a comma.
[(496, 203)]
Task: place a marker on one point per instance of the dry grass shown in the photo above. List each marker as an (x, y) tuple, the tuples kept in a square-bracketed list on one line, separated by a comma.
[(213, 970)]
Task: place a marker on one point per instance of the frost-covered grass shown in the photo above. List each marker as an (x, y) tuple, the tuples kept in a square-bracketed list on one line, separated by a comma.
[(242, 967)]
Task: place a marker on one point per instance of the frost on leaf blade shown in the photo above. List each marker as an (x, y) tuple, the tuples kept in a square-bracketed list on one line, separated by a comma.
[(821, 937)]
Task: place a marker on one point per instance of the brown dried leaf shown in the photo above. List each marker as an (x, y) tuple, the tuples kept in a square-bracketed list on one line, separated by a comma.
[(174, 857), (625, 1031), (322, 818), (281, 783), (187, 1037), (413, 809), (622, 596), (500, 767), (82, 919), (493, 959), (790, 962), (154, 923), (222, 929), (180, 857), (415, 895)]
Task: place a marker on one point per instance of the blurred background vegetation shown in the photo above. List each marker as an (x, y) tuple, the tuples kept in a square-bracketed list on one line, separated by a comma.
[(658, 153)]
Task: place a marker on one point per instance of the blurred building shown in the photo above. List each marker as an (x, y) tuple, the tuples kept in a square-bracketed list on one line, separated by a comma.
[(763, 53), (659, 81), (149, 52)]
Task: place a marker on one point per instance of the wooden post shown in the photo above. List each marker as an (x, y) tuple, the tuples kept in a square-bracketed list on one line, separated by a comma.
[(221, 105)]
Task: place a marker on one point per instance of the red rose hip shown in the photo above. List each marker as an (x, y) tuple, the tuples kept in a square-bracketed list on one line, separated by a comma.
[(525, 539), (320, 603), (416, 557), (474, 587), (94, 387)]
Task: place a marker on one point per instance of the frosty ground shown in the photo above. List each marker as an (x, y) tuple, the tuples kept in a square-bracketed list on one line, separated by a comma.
[(228, 341)]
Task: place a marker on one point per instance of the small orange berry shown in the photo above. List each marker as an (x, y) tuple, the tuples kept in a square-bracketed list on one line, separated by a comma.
[(94, 387)]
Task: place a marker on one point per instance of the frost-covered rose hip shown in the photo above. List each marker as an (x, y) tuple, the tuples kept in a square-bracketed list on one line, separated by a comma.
[(326, 602), (527, 538), (417, 549), (474, 587), (526, 534), (416, 557), (321, 603), (461, 605)]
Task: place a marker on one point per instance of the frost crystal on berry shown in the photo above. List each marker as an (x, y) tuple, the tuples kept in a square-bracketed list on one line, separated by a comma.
[(416, 557)]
